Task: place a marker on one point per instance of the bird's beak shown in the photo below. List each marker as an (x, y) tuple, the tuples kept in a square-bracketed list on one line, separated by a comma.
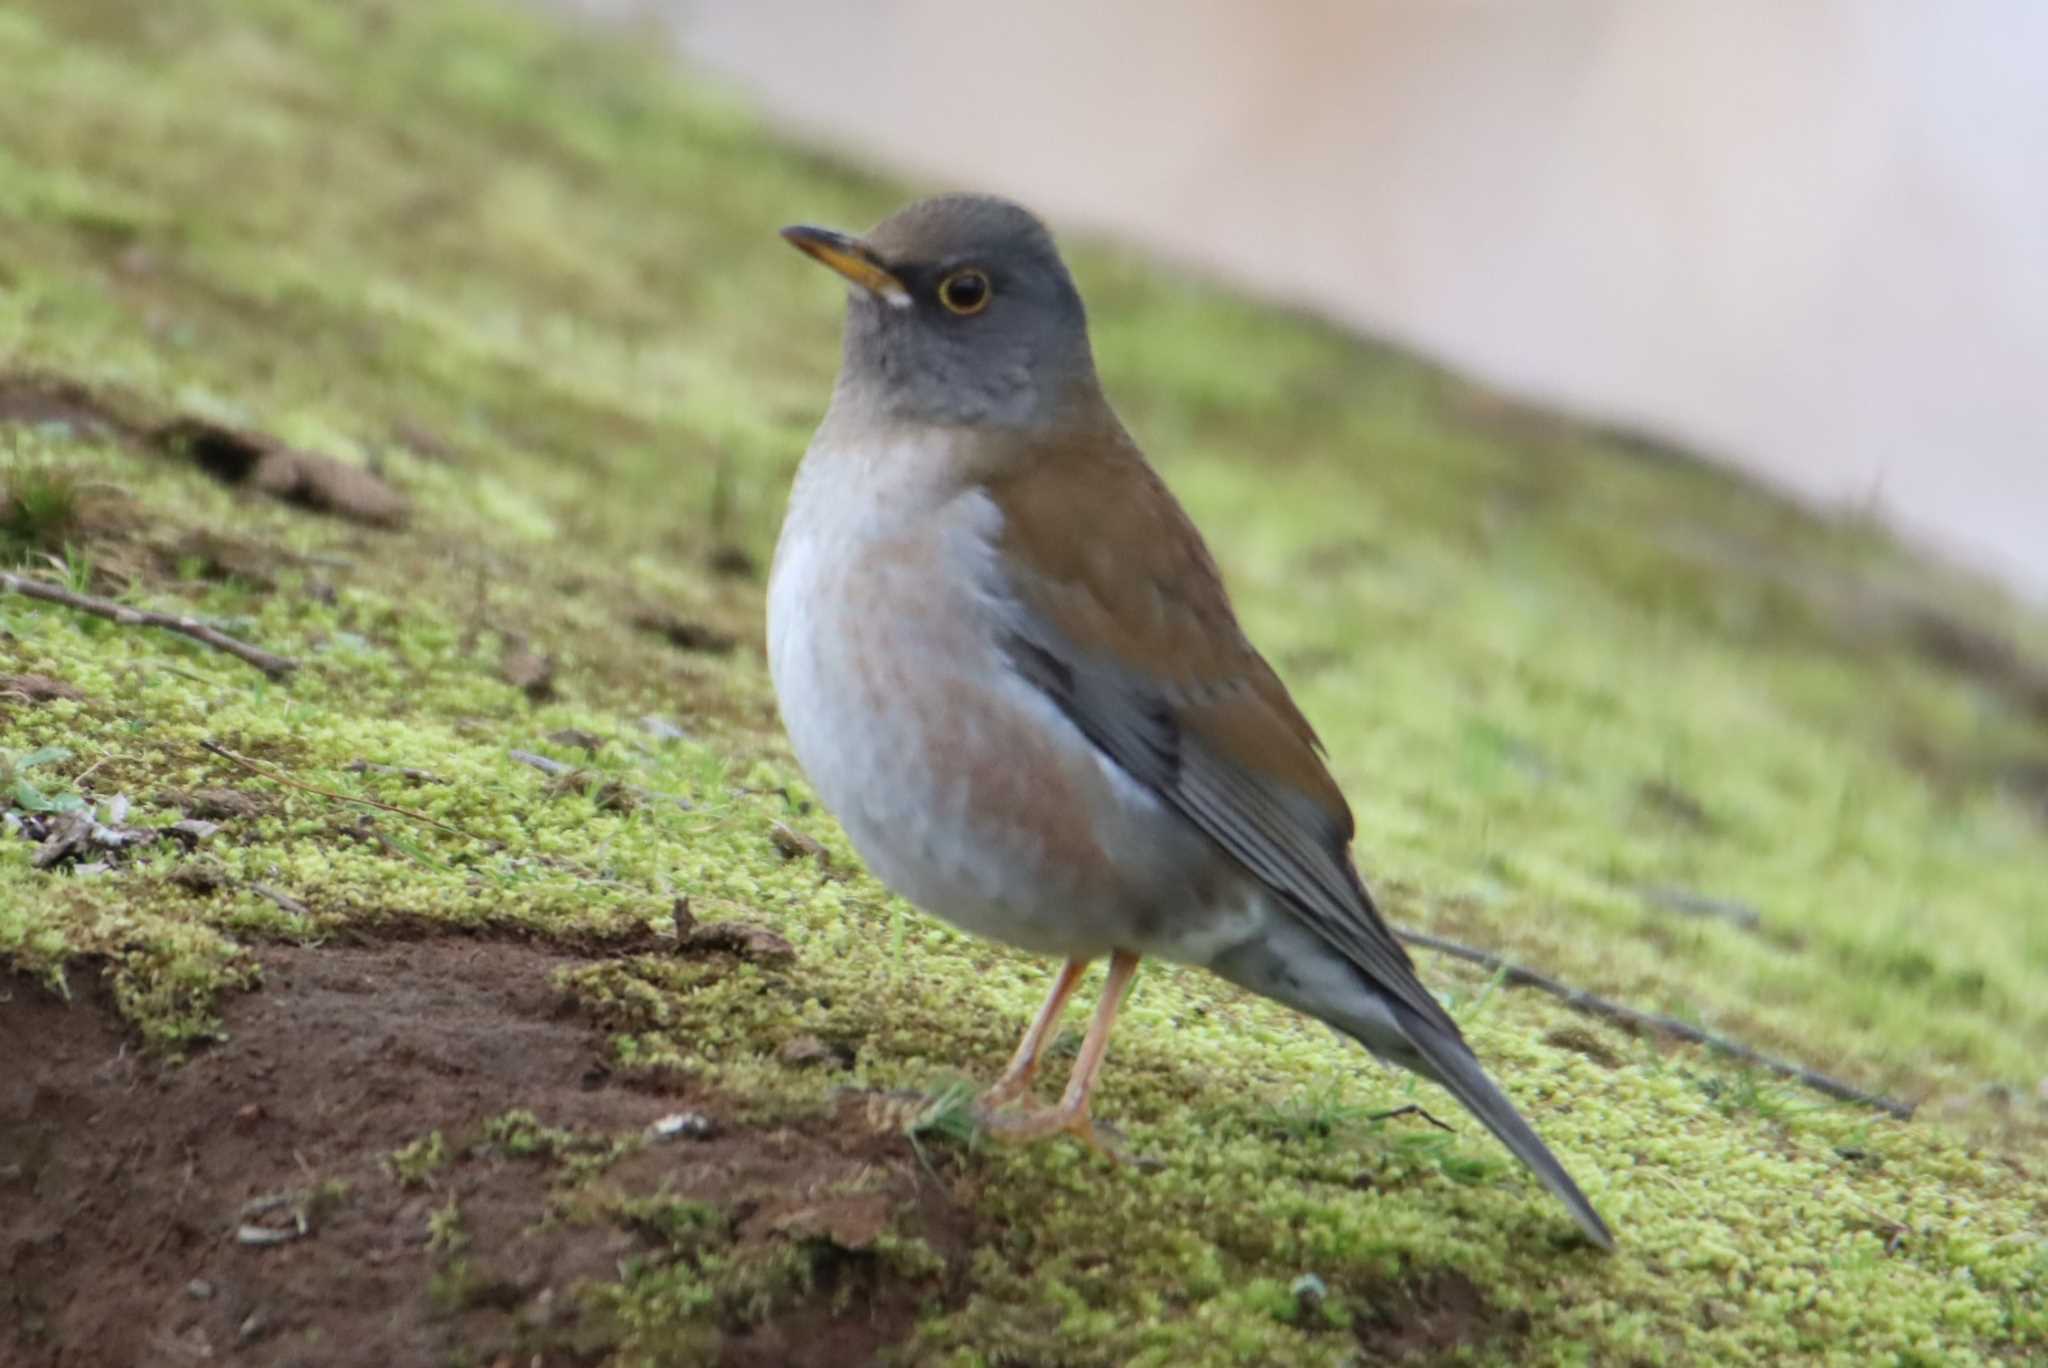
[(850, 257)]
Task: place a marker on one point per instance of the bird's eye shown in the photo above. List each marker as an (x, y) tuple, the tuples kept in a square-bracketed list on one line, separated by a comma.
[(965, 292)]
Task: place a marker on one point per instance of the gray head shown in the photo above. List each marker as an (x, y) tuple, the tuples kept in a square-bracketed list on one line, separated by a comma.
[(963, 313)]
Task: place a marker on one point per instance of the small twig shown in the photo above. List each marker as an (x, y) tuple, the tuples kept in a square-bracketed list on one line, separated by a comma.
[(279, 776), (286, 903), (1580, 1000), (1412, 1109), (78, 781), (417, 776), (554, 769), (276, 666)]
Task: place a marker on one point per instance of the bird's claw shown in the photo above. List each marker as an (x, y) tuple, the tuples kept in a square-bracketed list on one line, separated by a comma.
[(1104, 1139)]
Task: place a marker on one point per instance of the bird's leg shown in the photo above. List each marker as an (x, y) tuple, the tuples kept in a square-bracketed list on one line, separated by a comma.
[(1071, 1115), (1024, 1064)]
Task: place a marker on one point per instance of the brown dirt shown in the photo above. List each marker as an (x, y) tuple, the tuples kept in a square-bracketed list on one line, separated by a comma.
[(231, 455), (1437, 1314), (39, 399), (33, 688), (123, 1180), (237, 457)]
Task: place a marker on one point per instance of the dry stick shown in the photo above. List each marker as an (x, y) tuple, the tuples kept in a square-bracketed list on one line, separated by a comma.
[(1580, 1000), (286, 903), (276, 666), (554, 769), (417, 776)]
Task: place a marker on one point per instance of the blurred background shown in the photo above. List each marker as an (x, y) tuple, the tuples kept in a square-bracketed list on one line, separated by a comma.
[(1805, 238)]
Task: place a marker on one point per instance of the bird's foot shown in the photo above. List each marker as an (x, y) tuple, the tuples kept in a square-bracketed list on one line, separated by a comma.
[(1038, 1123), (1004, 1091)]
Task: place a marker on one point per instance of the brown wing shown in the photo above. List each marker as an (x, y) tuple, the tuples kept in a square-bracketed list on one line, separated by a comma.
[(1123, 620)]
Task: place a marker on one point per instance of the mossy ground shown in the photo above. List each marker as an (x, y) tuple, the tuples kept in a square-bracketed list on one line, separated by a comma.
[(534, 281)]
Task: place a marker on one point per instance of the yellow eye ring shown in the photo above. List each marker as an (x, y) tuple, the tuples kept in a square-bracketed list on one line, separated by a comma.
[(966, 292)]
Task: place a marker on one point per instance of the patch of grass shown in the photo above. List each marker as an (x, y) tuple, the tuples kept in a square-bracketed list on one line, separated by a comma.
[(21, 789), (444, 1230), (520, 1135), (951, 1115), (1318, 1114), (678, 1224), (416, 1164), (699, 1283), (534, 280), (39, 511), (1759, 1094)]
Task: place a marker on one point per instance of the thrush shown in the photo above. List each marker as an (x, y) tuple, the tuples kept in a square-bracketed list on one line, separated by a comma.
[(1008, 666)]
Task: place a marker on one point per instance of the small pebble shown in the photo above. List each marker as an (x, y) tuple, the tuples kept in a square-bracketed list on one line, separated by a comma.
[(683, 1126)]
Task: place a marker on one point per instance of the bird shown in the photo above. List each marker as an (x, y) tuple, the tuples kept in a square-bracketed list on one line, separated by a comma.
[(1007, 664)]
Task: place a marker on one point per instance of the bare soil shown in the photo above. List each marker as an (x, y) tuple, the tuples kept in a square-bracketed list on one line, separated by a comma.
[(125, 1183)]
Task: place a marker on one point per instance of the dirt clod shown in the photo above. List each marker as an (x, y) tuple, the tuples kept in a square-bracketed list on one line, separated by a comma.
[(209, 555), (215, 804), (321, 483), (809, 1052), (683, 633), (1580, 1040), (1431, 1317), (44, 401), (747, 940), (792, 844), (575, 739), (35, 688), (528, 671), (200, 877)]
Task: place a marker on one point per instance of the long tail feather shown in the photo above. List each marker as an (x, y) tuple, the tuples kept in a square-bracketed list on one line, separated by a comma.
[(1449, 1061), (1287, 963)]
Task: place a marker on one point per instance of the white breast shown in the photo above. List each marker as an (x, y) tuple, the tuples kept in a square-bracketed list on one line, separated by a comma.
[(963, 787)]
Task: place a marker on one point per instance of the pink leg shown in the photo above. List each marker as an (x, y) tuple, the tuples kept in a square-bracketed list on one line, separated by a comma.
[(1071, 1115), (1024, 1064)]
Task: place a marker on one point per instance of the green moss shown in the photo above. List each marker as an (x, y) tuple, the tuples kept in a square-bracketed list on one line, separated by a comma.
[(520, 1135), (534, 281), (416, 1164), (677, 1224)]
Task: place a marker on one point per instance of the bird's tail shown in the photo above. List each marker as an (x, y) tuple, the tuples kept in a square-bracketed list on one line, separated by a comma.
[(1291, 964), (1446, 1058)]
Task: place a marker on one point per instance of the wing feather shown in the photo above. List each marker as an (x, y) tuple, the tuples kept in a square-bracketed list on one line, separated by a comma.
[(1118, 614)]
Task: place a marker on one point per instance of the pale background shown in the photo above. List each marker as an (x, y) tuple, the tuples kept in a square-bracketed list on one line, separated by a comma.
[(1807, 236)]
